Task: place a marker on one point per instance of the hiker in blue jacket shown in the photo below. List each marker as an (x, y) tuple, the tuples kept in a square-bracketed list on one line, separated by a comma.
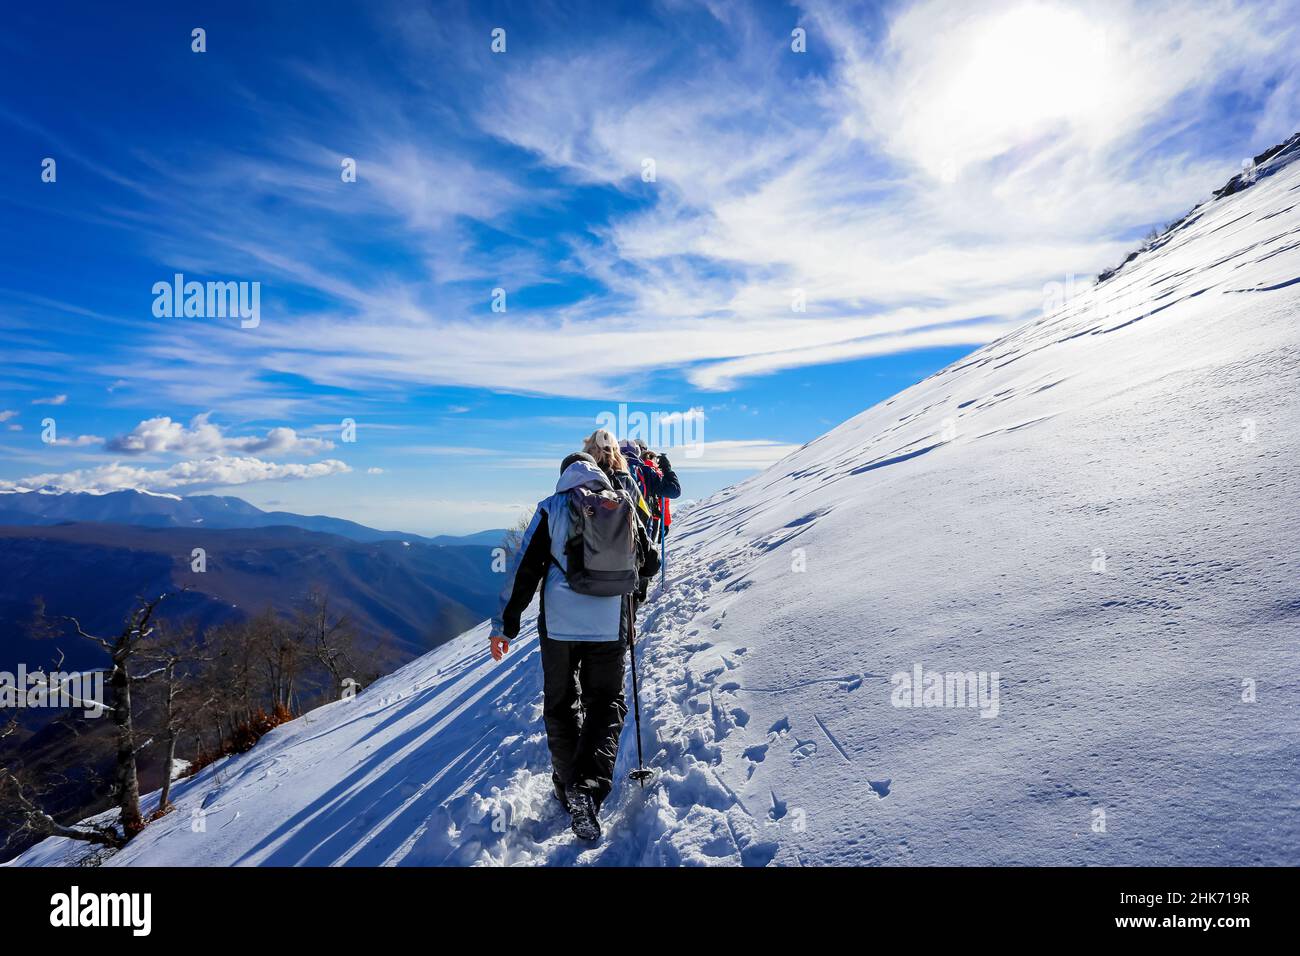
[(655, 479), (663, 481), (583, 636)]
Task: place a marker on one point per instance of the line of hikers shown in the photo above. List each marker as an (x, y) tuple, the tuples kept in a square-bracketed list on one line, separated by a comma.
[(591, 546)]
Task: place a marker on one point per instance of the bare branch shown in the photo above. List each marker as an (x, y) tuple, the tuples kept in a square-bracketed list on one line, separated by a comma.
[(90, 637), (37, 820)]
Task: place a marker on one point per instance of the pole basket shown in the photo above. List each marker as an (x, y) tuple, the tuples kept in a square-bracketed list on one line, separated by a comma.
[(641, 775)]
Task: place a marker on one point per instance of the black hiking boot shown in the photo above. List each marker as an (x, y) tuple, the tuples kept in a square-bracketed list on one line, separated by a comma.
[(583, 808)]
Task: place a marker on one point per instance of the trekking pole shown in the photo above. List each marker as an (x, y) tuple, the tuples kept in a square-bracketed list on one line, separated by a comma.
[(663, 558), (640, 774)]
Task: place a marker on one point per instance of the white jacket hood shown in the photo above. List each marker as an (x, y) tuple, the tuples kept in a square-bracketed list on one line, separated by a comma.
[(582, 473)]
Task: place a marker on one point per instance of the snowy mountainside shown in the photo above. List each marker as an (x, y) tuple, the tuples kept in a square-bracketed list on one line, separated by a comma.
[(1100, 508)]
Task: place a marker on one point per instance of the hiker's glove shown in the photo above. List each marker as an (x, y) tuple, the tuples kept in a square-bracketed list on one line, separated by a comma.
[(664, 463), (651, 566)]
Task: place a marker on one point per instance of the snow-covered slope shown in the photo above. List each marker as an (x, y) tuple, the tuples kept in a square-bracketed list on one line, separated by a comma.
[(1100, 507)]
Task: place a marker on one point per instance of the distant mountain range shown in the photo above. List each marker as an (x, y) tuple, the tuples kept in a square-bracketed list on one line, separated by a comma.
[(150, 510), (406, 596), (93, 555)]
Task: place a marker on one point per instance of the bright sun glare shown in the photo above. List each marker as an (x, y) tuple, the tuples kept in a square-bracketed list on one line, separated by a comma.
[(1020, 69)]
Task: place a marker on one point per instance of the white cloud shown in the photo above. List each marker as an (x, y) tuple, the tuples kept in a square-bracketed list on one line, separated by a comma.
[(737, 455), (161, 435), (209, 472), (722, 375), (956, 86), (694, 414), (6, 414), (52, 400), (80, 441)]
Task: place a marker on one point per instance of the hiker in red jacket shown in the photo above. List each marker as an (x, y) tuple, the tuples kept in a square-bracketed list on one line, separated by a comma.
[(654, 477)]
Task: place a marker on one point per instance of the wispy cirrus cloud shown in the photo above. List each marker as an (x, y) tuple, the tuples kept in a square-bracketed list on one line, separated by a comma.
[(78, 441), (729, 455), (918, 187)]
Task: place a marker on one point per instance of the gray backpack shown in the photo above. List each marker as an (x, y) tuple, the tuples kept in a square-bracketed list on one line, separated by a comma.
[(600, 550)]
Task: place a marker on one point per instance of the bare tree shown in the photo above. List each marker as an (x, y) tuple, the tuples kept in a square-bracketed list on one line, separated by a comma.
[(282, 649), (18, 795), (232, 676), (514, 536), (180, 700), (121, 650), (331, 637)]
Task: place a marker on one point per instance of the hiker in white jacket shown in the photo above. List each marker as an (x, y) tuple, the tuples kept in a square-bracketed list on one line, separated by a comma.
[(583, 636)]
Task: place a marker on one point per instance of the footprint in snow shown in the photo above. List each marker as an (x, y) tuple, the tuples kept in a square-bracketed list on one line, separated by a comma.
[(803, 749)]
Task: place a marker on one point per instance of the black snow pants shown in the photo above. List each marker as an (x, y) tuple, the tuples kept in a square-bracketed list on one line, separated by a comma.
[(584, 710)]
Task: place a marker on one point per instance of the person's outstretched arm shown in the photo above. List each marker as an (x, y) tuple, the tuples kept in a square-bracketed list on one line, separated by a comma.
[(668, 485), (527, 571)]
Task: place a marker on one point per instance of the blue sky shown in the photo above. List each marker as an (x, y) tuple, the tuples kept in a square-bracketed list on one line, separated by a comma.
[(915, 179)]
